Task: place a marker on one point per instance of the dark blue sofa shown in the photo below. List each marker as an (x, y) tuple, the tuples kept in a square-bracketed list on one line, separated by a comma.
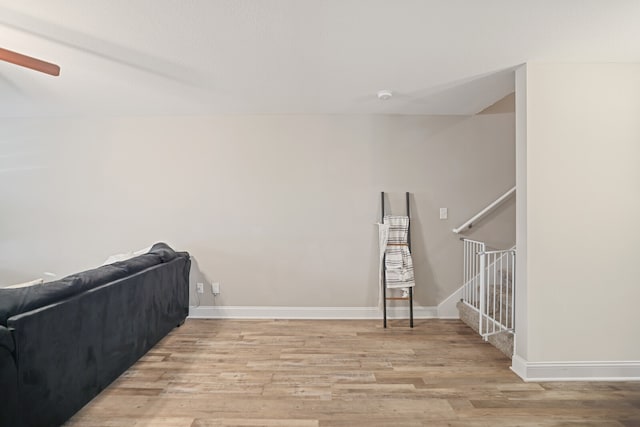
[(63, 342)]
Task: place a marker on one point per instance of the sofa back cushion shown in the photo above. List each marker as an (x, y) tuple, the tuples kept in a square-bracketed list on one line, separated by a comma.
[(159, 253), (20, 300), (35, 282), (163, 250)]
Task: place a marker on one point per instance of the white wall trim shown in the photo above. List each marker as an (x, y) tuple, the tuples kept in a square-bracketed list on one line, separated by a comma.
[(256, 312), (576, 371)]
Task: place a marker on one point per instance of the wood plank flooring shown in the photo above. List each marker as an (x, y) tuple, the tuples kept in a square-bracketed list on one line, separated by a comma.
[(296, 373)]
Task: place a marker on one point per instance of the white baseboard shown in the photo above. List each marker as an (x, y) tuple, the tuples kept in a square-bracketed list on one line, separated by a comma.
[(576, 371), (253, 312)]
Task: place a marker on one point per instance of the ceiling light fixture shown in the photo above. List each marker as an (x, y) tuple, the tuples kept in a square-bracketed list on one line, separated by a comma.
[(385, 95)]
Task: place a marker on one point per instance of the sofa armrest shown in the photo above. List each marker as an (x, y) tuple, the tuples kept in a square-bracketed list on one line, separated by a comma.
[(6, 339), (8, 380)]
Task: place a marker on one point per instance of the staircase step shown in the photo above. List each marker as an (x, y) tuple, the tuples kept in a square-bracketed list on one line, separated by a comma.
[(503, 341)]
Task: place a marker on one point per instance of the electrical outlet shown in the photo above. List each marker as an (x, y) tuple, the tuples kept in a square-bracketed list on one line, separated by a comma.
[(215, 288), (444, 213), (200, 288)]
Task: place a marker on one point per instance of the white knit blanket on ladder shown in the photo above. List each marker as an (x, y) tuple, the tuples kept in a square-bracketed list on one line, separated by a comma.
[(393, 242)]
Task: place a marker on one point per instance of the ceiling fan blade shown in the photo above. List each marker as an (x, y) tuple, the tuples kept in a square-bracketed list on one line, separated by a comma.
[(29, 62)]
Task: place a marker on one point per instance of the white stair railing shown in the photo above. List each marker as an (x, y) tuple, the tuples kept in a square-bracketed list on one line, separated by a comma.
[(489, 283), (497, 296), (471, 273), (477, 217)]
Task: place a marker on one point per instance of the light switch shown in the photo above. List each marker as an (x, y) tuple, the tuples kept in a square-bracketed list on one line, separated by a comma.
[(444, 213)]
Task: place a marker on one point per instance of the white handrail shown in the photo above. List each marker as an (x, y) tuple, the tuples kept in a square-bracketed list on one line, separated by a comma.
[(485, 211)]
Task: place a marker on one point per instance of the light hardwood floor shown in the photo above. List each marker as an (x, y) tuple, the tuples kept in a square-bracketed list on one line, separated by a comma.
[(343, 373)]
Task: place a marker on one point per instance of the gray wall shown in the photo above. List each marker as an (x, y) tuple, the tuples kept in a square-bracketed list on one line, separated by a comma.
[(279, 209)]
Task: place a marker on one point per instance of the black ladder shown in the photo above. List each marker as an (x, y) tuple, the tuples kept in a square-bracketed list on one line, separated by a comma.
[(384, 276)]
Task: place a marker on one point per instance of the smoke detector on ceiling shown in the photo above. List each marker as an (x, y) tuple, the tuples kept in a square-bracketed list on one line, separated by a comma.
[(385, 95)]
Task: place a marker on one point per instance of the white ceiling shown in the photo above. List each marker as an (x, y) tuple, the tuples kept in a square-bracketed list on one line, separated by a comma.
[(295, 56)]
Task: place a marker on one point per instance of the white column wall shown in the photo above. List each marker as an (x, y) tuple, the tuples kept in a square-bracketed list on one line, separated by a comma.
[(579, 269)]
